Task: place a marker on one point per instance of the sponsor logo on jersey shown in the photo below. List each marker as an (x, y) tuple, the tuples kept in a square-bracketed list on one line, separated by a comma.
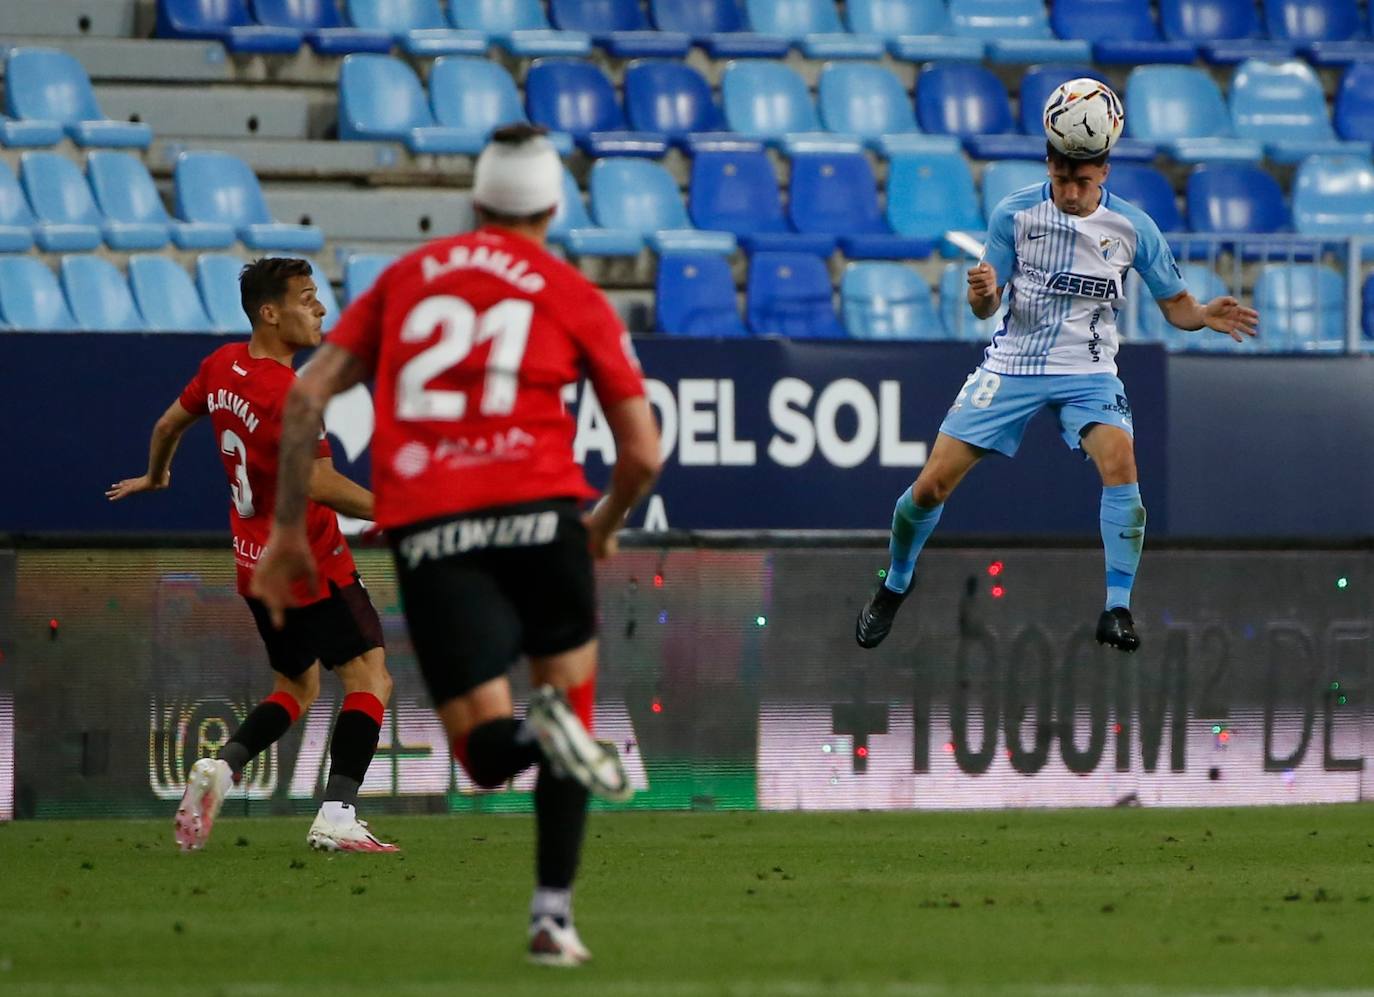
[(1084, 285), (526, 529), (1121, 407)]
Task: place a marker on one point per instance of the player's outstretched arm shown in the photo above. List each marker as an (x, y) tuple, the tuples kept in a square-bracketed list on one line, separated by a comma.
[(344, 495), (166, 435), (637, 462), (1225, 315)]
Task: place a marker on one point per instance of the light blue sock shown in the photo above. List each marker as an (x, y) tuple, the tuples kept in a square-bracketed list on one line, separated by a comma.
[(911, 528), (1123, 536)]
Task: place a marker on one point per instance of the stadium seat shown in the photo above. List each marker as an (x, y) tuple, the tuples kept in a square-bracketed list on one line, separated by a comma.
[(929, 195), (887, 301), (1003, 178), (216, 187), (134, 214), (1180, 108), (68, 220), (323, 28), (475, 96), (166, 296), (381, 100), (1367, 313), (1149, 190), (718, 27), (955, 313), (642, 197), (737, 192), (1015, 31), (1122, 32), (836, 194), (814, 27), (1151, 326), (694, 295), (227, 21), (1227, 31), (16, 217), (1354, 105), (45, 85), (1281, 105), (217, 279), (970, 102), (618, 26), (361, 271), (1302, 307), (1237, 198), (30, 297), (913, 30), (767, 101), (1333, 196), (1036, 87), (576, 97), (1328, 32), (99, 295), (518, 26), (418, 26), (673, 99), (573, 229), (789, 294), (868, 102)]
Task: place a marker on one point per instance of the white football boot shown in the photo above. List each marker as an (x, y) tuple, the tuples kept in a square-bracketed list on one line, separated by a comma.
[(209, 780), (574, 753), (344, 833), (552, 944)]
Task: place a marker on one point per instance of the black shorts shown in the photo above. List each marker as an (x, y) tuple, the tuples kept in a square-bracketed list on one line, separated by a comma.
[(482, 588), (333, 631)]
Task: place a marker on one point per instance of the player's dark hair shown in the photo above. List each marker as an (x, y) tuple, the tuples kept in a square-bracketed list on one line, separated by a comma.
[(265, 281), (1057, 158), (514, 134)]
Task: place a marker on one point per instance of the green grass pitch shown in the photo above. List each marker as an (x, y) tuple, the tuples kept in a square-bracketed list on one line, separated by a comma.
[(782, 905)]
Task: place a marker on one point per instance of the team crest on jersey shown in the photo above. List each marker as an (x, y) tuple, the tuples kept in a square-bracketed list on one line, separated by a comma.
[(1108, 246)]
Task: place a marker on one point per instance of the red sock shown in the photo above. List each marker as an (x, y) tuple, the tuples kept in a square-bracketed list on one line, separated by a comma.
[(287, 702), (582, 699)]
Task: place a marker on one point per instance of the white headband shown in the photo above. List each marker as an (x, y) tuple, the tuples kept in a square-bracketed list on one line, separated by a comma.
[(519, 180)]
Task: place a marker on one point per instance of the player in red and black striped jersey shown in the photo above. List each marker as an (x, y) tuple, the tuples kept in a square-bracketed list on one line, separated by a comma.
[(242, 388)]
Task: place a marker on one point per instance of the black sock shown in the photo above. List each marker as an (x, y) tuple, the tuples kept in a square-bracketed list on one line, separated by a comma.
[(560, 813), (352, 746), (494, 754), (268, 721)]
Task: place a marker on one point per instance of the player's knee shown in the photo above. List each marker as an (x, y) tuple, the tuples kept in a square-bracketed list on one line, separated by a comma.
[(304, 689), (927, 493)]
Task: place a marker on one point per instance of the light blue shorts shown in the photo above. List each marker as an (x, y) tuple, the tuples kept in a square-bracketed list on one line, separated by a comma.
[(992, 410)]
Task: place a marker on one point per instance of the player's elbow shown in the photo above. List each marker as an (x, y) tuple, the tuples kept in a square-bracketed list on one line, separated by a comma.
[(640, 461)]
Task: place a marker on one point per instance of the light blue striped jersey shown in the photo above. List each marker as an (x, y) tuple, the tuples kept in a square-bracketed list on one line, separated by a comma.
[(1067, 277)]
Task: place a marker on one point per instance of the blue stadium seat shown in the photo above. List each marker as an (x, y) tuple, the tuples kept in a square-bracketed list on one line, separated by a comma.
[(767, 101), (836, 194), (217, 279), (1036, 87), (381, 100), (737, 192), (1334, 196), (418, 26), (913, 30), (323, 28), (1001, 179), (1354, 106), (226, 20), (1122, 32), (1302, 307), (361, 271), (718, 27), (673, 99), (958, 318), (135, 217), (887, 301), (970, 102), (574, 230), (1180, 108), (576, 97), (475, 96), (1328, 32), (1015, 31), (1226, 30), (929, 195), (30, 297), (166, 296), (68, 219), (618, 26), (518, 26), (99, 295), (29, 134), (1367, 313), (642, 197), (1151, 326), (218, 188), (789, 294), (45, 85), (1281, 105), (868, 102), (16, 217), (1232, 198), (694, 295), (814, 27)]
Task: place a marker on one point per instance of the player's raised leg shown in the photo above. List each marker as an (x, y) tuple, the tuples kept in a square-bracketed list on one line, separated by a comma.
[(1122, 521)]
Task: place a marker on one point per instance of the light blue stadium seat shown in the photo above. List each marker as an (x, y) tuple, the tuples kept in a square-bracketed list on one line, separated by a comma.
[(361, 271), (694, 295), (913, 30), (929, 195), (836, 194), (1227, 31), (887, 301), (16, 217), (970, 103), (1122, 32), (381, 100), (228, 21), (68, 220), (418, 26), (1301, 306), (474, 97), (45, 85), (518, 26), (1333, 196), (618, 26), (1181, 109), (568, 95), (135, 217), (574, 230), (1151, 326), (323, 28), (1354, 107), (673, 99), (1002, 178), (1281, 105), (218, 188), (99, 295), (737, 192), (166, 296), (642, 197), (29, 134), (217, 279), (958, 318), (718, 27), (868, 102), (1328, 32), (1015, 31), (789, 294), (767, 101), (813, 26), (30, 297)]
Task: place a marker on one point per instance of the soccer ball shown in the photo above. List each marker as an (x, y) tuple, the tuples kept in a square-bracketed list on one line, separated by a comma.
[(1083, 118)]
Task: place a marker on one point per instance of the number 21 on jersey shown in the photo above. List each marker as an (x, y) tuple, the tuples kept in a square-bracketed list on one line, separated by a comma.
[(460, 330)]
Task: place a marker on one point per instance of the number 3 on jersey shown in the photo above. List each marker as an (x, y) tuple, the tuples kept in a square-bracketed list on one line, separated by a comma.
[(461, 330), (239, 489)]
